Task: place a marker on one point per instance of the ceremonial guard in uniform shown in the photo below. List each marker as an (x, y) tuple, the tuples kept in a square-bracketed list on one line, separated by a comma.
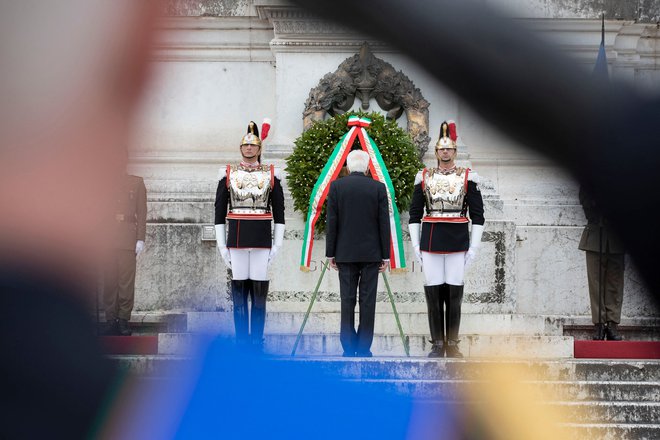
[(443, 199), (131, 228), (605, 262), (248, 201)]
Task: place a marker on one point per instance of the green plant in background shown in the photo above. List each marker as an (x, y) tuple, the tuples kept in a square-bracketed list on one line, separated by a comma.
[(313, 148)]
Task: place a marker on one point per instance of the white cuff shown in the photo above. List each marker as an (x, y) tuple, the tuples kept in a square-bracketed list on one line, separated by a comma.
[(414, 228), (278, 234), (475, 236), (220, 238)]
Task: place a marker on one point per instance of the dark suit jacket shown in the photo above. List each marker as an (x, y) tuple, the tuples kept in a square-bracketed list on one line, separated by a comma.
[(358, 222)]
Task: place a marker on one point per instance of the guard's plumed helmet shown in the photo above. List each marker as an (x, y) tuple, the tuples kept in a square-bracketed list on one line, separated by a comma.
[(252, 136), (448, 135)]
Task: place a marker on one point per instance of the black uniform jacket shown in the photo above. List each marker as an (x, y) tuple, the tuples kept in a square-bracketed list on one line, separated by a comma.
[(249, 233), (358, 221), (445, 238)]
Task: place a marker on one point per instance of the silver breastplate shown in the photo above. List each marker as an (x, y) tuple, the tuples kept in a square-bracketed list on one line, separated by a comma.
[(444, 193), (249, 189)]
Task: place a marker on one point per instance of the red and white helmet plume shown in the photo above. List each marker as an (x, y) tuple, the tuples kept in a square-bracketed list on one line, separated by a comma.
[(265, 128), (452, 130)]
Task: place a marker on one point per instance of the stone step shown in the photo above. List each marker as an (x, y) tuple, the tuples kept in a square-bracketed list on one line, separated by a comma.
[(149, 323), (422, 368), (629, 333), (611, 431), (612, 412), (500, 346), (621, 391), (413, 323)]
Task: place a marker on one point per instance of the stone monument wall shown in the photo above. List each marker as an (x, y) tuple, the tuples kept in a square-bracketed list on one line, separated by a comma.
[(220, 64)]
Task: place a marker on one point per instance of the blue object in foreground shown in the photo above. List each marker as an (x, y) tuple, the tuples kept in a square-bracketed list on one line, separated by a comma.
[(239, 395)]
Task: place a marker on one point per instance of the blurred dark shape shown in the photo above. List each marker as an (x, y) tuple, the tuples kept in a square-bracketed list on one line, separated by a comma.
[(604, 134), (54, 379)]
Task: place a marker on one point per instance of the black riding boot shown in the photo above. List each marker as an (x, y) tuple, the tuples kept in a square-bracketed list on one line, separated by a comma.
[(612, 333), (599, 332), (124, 327), (436, 320), (259, 295), (453, 315), (111, 328), (239, 294)]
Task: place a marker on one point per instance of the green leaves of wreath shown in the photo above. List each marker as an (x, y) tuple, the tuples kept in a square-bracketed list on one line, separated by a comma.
[(313, 148)]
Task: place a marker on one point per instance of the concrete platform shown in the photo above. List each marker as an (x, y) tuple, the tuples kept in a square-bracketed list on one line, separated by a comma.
[(321, 322), (501, 346)]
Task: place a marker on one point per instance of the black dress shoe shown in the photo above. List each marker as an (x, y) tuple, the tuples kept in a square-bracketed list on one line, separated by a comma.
[(611, 332), (437, 350), (348, 354), (124, 328), (364, 354), (452, 351), (110, 328), (599, 332)]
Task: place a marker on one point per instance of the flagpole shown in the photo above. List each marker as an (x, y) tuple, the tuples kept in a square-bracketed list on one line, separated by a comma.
[(309, 309), (404, 339)]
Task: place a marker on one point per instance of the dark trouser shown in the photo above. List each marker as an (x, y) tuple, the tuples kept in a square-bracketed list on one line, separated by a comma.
[(612, 268), (352, 276), (257, 291), (119, 285)]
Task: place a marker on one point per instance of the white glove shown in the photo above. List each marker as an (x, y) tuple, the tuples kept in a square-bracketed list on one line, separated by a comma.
[(278, 240), (221, 241), (470, 255), (475, 242), (414, 228), (139, 248)]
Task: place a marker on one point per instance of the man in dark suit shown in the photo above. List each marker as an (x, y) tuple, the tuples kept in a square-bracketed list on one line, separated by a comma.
[(358, 245)]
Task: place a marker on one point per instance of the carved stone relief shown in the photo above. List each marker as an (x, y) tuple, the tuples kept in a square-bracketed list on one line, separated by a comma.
[(365, 77)]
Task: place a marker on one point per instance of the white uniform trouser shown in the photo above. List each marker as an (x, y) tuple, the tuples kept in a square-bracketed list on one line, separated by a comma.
[(443, 268), (249, 264)]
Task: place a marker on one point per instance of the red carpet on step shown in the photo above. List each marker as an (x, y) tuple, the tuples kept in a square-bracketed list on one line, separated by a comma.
[(617, 349), (130, 344)]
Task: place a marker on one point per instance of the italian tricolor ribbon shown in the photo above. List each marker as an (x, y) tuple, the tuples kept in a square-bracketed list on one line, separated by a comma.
[(331, 171)]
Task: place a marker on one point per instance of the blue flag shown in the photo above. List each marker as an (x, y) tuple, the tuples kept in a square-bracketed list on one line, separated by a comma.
[(600, 68)]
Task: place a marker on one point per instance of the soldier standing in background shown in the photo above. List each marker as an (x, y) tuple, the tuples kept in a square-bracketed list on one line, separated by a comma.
[(605, 261), (131, 227), (249, 201), (445, 200)]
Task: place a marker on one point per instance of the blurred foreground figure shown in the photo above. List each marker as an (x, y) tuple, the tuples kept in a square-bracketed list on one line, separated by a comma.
[(131, 229), (605, 270), (534, 93), (70, 78), (444, 196)]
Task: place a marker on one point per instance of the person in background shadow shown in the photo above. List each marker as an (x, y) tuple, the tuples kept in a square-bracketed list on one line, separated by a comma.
[(131, 230), (604, 249), (71, 77), (358, 245)]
